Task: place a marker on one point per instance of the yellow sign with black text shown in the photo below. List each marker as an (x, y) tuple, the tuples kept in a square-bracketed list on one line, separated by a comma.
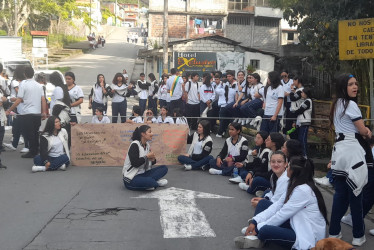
[(356, 39)]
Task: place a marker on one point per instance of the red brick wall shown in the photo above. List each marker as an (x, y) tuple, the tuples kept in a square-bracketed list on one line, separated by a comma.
[(176, 23)]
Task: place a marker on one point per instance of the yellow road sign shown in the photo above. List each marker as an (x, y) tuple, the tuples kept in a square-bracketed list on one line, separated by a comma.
[(356, 39)]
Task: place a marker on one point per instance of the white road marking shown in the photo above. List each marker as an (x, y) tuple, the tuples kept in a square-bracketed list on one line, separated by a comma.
[(180, 217)]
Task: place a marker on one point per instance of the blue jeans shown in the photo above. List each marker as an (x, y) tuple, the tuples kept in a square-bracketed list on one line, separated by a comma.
[(226, 170), (195, 164), (56, 162), (270, 126), (262, 205), (258, 183), (249, 109), (225, 112), (302, 133), (121, 108), (343, 198), (282, 235), (142, 105), (148, 179)]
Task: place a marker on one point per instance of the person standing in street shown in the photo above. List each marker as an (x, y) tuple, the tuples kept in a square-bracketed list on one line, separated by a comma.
[(143, 94), (174, 88), (98, 96), (35, 108), (76, 98)]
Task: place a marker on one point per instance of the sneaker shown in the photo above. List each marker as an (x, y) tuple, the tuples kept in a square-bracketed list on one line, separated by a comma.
[(205, 167), (28, 155), (63, 167), (187, 167), (215, 171), (248, 242), (218, 135), (347, 220), (162, 182), (10, 146), (244, 229), (236, 180), (243, 186), (371, 231), (359, 241), (21, 141), (25, 150), (8, 127), (324, 181), (259, 193), (38, 169), (339, 236)]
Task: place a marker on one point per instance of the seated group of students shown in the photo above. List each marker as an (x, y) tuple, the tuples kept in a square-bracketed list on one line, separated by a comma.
[(291, 212)]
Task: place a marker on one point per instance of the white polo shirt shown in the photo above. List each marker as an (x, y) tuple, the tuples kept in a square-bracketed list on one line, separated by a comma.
[(178, 88), (31, 92)]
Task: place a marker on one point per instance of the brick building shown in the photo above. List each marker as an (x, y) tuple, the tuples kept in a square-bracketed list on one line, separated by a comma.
[(250, 22)]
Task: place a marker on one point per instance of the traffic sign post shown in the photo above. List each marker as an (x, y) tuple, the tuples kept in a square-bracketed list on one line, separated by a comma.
[(356, 41)]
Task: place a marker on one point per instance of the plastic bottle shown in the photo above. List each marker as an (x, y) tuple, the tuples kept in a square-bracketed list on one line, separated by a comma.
[(235, 172), (291, 131)]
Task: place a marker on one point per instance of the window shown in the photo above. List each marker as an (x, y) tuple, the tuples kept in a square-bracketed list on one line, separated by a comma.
[(239, 4), (239, 20), (255, 64), (262, 3), (267, 22), (290, 36)]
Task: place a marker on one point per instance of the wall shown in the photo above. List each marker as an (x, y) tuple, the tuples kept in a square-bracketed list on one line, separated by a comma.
[(266, 38), (176, 24), (208, 6), (266, 63), (173, 5), (203, 45), (240, 33)]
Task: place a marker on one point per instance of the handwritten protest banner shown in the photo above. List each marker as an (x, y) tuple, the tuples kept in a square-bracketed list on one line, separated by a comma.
[(107, 144)]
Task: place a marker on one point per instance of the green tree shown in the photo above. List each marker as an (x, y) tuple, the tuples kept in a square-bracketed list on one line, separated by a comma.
[(317, 24)]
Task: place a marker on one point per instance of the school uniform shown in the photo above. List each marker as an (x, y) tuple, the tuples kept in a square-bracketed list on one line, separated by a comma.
[(250, 109), (137, 119), (174, 85), (119, 102), (105, 119), (152, 97), (193, 103), (307, 224), (199, 151), (99, 99), (238, 152), (181, 120), (167, 119), (350, 164), (143, 94), (75, 94), (287, 104), (271, 98), (304, 120), (206, 94), (162, 93), (137, 170), (296, 101)]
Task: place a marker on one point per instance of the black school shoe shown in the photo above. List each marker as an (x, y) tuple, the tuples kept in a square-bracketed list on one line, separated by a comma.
[(28, 155)]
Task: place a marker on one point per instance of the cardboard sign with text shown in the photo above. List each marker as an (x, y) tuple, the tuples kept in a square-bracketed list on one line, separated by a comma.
[(107, 144)]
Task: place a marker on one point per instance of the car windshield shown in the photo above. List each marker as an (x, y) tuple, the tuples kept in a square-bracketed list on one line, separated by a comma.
[(12, 65)]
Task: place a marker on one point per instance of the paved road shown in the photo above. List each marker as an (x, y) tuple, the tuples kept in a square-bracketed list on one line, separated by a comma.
[(88, 208)]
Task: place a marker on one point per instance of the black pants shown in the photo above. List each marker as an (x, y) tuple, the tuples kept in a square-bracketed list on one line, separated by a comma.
[(192, 110), (30, 124), (175, 104)]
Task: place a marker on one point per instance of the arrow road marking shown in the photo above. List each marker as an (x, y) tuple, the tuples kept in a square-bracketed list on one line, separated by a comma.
[(180, 217)]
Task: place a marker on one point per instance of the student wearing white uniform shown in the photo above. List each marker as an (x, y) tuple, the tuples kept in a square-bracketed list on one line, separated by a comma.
[(297, 220), (136, 115), (351, 158), (174, 88), (207, 94), (76, 98), (163, 117), (287, 84), (120, 90), (201, 146), (143, 85), (295, 97), (250, 109), (99, 94), (99, 116), (54, 149), (193, 100), (162, 91), (152, 93), (234, 150), (273, 97), (137, 172)]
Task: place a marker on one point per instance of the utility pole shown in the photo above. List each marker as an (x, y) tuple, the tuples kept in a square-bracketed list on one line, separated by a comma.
[(90, 16), (115, 11), (15, 17), (166, 39)]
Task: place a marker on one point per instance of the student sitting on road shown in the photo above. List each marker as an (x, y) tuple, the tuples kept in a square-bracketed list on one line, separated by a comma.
[(163, 117), (136, 115), (292, 148), (297, 220), (261, 155), (179, 118), (54, 149), (201, 146), (234, 150), (99, 116), (137, 171), (258, 179), (278, 181)]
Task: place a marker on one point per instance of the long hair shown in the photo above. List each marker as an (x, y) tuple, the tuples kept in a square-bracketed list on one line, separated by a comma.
[(162, 83), (341, 93), (302, 173), (152, 77), (206, 127), (294, 148), (278, 139), (137, 134), (50, 125), (263, 135), (274, 177), (115, 81), (56, 80), (97, 79), (207, 81), (274, 81)]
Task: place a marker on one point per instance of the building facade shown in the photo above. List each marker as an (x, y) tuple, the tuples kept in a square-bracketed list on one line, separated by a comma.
[(250, 22)]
